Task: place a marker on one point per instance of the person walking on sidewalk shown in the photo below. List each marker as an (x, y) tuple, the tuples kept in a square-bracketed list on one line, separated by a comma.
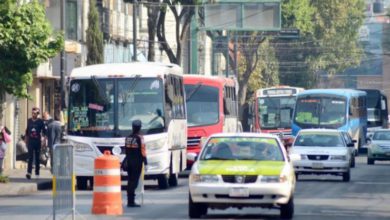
[(34, 131), (136, 157), (4, 139), (53, 134)]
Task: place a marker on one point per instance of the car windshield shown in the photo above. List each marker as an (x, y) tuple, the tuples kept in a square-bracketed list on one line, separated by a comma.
[(240, 148), (381, 136), (319, 140)]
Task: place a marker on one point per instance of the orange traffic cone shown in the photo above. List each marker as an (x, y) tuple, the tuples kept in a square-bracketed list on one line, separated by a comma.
[(107, 197)]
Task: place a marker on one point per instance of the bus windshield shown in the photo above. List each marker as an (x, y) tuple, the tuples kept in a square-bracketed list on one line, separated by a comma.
[(276, 112), (324, 112), (107, 107), (202, 105)]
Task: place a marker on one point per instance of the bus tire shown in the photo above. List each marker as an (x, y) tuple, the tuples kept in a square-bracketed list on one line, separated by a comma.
[(173, 179), (162, 181), (82, 182)]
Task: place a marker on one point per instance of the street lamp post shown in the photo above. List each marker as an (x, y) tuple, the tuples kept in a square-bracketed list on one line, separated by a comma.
[(62, 56)]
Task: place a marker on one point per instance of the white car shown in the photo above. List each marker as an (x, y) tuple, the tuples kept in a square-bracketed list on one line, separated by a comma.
[(242, 170), (323, 151)]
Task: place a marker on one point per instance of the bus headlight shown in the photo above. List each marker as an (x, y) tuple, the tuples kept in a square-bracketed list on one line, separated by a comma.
[(81, 147), (155, 145)]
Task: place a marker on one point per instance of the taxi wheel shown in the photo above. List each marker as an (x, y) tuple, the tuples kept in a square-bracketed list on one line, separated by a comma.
[(287, 210), (196, 210), (347, 176)]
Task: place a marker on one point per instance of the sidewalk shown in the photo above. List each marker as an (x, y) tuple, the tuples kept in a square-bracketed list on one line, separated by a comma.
[(19, 185)]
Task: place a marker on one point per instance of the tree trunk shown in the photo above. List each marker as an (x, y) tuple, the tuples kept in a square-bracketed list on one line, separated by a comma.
[(152, 18)]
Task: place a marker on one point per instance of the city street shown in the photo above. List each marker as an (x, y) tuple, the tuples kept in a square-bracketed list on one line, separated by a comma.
[(317, 197)]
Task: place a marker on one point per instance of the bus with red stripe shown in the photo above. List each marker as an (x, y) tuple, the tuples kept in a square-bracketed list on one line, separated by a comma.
[(272, 111), (212, 107)]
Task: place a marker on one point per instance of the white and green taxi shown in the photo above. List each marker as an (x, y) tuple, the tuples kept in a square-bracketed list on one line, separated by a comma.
[(242, 170)]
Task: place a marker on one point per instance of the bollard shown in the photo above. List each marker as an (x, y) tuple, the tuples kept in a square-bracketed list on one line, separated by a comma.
[(107, 197)]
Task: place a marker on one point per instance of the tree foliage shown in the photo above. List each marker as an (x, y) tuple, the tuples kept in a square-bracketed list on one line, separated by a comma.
[(328, 43), (26, 40), (266, 73), (94, 36)]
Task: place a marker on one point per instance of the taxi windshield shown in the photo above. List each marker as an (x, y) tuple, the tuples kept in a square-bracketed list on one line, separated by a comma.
[(238, 148)]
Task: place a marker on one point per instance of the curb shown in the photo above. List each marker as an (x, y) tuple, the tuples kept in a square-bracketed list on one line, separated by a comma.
[(25, 188)]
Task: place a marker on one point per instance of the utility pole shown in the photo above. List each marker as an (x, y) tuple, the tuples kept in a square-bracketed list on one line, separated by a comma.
[(62, 56), (135, 30)]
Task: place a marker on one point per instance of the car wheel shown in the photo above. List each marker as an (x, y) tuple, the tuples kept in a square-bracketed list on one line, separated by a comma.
[(353, 161), (162, 181), (347, 176), (370, 161), (196, 210), (287, 210), (173, 179), (82, 182)]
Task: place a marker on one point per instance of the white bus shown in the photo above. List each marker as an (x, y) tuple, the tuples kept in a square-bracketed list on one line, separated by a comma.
[(104, 100)]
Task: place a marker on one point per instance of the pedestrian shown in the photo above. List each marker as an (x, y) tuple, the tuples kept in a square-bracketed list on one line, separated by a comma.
[(4, 139), (53, 132), (34, 132), (136, 157)]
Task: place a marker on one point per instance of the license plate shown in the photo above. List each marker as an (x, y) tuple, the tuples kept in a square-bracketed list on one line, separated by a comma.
[(239, 192), (317, 165)]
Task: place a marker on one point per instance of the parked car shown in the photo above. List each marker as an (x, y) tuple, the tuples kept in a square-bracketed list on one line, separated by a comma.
[(323, 151), (240, 170), (378, 146)]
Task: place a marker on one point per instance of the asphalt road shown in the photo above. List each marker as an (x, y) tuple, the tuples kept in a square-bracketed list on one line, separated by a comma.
[(367, 196)]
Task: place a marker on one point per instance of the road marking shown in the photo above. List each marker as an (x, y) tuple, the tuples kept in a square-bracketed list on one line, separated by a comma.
[(372, 183)]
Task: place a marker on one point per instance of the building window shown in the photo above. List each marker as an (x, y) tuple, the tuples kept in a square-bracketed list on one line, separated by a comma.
[(71, 19)]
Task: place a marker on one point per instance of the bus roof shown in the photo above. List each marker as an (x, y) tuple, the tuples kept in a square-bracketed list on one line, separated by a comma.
[(208, 79), (126, 70), (342, 92)]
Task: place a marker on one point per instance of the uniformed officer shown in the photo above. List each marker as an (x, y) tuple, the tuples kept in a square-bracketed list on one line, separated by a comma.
[(136, 156)]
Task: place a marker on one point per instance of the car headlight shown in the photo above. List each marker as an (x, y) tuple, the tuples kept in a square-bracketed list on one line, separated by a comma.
[(273, 179), (81, 147), (156, 144), (199, 178), (303, 157), (338, 157)]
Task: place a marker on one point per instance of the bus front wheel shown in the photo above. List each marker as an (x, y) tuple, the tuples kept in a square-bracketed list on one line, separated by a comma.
[(173, 179), (162, 181), (82, 182)]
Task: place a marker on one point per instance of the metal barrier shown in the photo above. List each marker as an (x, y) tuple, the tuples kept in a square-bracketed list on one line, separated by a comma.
[(63, 181)]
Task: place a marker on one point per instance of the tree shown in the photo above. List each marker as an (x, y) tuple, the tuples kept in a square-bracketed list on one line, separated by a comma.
[(182, 23), (26, 40), (94, 36), (328, 43)]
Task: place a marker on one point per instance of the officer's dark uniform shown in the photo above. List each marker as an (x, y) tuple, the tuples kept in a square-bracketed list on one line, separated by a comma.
[(136, 156)]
